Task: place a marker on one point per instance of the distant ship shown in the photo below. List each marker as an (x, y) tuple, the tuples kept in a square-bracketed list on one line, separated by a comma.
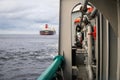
[(47, 31)]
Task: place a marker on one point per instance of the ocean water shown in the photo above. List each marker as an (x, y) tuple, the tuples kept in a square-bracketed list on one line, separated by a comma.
[(25, 57)]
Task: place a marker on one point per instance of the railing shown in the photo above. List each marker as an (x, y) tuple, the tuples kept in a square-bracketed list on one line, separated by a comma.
[(50, 72)]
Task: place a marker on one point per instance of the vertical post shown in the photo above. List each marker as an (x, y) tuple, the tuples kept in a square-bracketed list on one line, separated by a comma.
[(97, 48), (107, 58), (118, 61), (101, 18), (89, 37)]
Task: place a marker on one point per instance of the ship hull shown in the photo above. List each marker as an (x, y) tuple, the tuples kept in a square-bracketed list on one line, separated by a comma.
[(47, 32)]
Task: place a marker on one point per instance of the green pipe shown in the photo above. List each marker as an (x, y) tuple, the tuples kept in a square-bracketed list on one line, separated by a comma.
[(49, 73)]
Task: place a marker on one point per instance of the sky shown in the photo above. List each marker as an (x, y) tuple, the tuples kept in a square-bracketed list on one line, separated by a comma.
[(28, 16)]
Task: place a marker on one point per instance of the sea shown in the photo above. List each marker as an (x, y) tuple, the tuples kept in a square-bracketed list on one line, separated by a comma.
[(26, 56)]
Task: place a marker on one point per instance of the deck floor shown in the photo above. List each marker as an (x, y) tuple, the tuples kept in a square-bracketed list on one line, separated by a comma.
[(82, 73)]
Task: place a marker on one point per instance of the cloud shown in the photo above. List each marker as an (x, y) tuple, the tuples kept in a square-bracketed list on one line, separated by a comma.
[(27, 15)]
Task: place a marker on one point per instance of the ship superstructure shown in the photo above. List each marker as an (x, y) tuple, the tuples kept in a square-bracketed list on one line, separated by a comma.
[(89, 41)]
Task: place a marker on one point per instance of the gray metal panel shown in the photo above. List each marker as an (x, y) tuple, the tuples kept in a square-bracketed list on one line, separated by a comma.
[(113, 54), (108, 51), (104, 48), (65, 36), (66, 7)]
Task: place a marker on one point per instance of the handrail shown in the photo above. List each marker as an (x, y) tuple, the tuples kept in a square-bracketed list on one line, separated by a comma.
[(49, 73)]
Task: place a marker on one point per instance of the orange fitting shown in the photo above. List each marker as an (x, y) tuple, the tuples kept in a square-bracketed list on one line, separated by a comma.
[(93, 33), (90, 9), (77, 20)]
